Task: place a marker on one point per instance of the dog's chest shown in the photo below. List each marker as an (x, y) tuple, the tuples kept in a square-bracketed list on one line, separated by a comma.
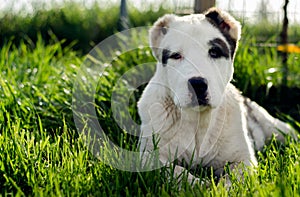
[(185, 137)]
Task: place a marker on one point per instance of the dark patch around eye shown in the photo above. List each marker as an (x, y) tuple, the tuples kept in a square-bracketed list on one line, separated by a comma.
[(165, 56), (215, 52), (175, 56), (218, 48)]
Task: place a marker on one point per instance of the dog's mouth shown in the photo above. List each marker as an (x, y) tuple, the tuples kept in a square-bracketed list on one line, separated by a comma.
[(199, 101), (198, 107), (199, 97)]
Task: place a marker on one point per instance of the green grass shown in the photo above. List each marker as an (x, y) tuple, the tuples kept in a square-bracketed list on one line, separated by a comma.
[(42, 154), (256, 66)]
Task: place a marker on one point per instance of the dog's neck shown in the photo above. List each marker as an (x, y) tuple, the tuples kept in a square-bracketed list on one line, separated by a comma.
[(176, 114), (178, 121)]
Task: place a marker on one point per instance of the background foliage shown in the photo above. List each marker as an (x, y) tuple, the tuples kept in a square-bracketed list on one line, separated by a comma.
[(86, 26)]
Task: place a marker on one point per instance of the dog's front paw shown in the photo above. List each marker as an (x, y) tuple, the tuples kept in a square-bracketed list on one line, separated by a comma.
[(192, 180), (183, 175), (231, 173)]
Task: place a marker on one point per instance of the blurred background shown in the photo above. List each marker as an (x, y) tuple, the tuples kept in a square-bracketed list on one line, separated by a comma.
[(251, 11), (89, 22)]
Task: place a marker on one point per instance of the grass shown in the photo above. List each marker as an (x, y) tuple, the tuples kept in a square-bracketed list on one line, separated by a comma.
[(265, 65), (42, 154)]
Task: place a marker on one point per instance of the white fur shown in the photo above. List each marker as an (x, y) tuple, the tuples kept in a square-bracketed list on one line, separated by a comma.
[(208, 135)]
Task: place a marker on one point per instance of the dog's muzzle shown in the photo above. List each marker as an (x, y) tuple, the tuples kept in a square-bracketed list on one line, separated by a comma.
[(198, 88)]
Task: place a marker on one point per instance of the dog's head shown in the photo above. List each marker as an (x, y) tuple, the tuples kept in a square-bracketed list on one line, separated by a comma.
[(195, 54)]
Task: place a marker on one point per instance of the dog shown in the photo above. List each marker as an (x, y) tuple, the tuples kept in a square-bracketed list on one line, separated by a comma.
[(199, 116)]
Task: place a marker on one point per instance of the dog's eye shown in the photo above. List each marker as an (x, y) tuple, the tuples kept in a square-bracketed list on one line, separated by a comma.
[(175, 56), (215, 52)]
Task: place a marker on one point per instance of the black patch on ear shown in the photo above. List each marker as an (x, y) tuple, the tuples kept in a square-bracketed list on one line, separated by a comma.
[(165, 56), (216, 20)]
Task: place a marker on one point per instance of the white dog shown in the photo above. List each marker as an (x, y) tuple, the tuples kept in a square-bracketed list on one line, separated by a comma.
[(199, 115)]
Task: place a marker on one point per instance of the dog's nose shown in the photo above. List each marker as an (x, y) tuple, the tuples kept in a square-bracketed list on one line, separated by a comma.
[(198, 87)]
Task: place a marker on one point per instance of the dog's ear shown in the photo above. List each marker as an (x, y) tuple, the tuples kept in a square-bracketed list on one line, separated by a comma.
[(229, 27), (225, 22), (158, 31)]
